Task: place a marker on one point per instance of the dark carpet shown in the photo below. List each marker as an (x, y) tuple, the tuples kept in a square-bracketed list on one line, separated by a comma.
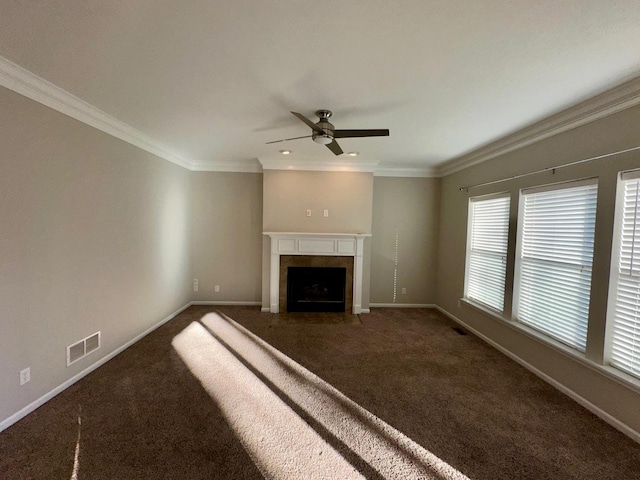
[(144, 415)]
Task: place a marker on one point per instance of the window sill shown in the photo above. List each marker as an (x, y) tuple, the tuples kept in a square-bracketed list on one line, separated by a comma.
[(614, 374)]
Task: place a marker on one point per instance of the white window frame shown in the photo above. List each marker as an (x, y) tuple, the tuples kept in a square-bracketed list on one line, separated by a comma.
[(612, 359), (551, 320), (503, 255)]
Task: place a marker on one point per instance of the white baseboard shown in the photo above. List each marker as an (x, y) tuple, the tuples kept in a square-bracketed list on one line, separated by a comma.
[(225, 302), (402, 305), (611, 420), (6, 423)]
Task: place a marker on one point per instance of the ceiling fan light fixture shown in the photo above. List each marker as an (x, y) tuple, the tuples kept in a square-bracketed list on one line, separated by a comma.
[(323, 139)]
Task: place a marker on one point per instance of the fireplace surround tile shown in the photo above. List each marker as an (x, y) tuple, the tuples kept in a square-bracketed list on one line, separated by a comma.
[(287, 261)]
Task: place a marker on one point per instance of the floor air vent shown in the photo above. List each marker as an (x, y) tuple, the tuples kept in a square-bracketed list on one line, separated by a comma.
[(460, 331), (83, 348)]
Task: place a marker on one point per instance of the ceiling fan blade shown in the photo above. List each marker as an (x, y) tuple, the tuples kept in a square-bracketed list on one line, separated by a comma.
[(360, 133), (335, 148), (313, 126), (287, 139)]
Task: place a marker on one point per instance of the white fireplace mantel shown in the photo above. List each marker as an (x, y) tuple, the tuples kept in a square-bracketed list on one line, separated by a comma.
[(332, 244)]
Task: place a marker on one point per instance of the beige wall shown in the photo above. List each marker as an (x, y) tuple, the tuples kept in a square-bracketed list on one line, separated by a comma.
[(611, 134), (410, 208), (94, 236), (288, 195), (227, 236)]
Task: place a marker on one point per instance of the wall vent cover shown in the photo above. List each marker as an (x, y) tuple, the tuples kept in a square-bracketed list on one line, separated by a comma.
[(83, 348)]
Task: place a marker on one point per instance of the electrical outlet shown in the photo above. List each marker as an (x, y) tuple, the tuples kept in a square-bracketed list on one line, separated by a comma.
[(326, 213), (308, 213), (25, 375), (216, 288), (404, 291), (195, 284)]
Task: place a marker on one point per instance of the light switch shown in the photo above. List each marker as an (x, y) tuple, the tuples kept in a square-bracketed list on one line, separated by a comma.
[(326, 213), (308, 212)]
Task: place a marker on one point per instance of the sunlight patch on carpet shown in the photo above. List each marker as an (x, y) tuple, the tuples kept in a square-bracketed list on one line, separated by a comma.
[(291, 422), (280, 443)]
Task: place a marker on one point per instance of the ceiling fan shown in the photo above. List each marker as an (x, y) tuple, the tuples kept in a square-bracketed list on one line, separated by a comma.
[(325, 133)]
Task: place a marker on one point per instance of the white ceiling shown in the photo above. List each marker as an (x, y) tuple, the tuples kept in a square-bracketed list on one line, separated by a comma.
[(215, 80)]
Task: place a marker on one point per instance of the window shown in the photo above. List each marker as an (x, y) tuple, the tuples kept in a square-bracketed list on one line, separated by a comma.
[(624, 310), (487, 250), (553, 271)]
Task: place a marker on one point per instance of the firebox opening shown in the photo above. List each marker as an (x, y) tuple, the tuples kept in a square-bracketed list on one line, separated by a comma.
[(316, 289)]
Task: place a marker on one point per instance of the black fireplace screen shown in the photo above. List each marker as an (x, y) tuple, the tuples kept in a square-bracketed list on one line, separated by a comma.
[(316, 289)]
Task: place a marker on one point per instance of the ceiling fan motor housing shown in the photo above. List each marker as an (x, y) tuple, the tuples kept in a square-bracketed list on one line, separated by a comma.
[(325, 126)]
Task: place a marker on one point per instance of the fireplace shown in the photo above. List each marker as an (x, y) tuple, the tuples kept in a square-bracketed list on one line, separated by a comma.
[(317, 250), (316, 289), (310, 277)]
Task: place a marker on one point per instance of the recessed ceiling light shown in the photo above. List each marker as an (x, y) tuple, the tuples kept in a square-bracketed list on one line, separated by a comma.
[(285, 152), (353, 154)]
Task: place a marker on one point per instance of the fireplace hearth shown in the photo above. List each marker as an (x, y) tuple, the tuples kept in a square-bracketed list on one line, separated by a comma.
[(316, 289)]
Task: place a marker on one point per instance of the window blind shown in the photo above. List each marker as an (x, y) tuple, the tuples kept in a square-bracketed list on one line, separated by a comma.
[(487, 251), (625, 347), (556, 255)]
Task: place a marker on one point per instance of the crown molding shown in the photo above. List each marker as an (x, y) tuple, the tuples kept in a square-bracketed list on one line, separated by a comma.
[(337, 165), (28, 84), (620, 98), (22, 81), (418, 172)]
